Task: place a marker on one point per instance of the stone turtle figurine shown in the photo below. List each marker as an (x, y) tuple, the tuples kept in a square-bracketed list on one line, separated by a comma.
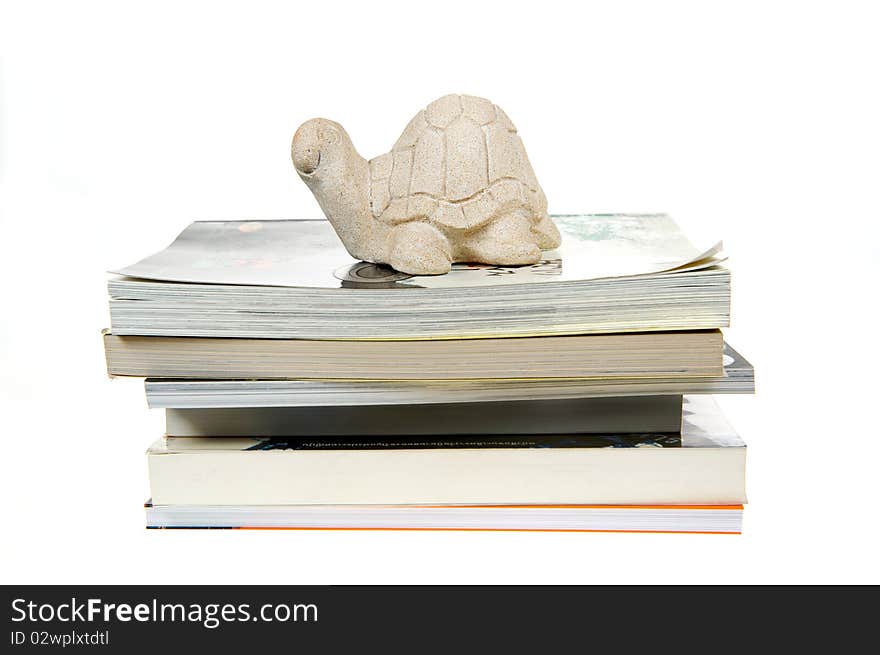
[(456, 187)]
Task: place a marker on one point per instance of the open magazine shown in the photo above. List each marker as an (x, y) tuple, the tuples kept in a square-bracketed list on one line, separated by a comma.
[(307, 253)]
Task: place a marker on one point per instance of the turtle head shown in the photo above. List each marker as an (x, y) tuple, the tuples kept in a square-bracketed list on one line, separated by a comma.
[(339, 177), (319, 141)]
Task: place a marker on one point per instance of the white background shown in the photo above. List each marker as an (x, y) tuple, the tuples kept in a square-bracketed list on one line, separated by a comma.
[(758, 122)]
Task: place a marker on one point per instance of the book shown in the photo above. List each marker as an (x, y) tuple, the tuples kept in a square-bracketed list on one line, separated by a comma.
[(293, 279), (739, 377), (716, 519), (704, 464), (520, 417), (654, 355)]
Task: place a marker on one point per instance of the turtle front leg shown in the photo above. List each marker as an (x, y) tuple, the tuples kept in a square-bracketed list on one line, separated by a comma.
[(547, 234), (419, 249), (507, 240)]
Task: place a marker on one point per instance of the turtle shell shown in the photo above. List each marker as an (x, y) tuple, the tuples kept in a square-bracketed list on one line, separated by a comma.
[(459, 163)]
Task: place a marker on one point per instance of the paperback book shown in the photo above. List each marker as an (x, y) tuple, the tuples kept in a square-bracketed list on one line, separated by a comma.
[(707, 519), (738, 377), (655, 355), (294, 280)]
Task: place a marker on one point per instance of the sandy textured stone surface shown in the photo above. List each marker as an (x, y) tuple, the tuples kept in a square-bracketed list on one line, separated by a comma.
[(456, 187)]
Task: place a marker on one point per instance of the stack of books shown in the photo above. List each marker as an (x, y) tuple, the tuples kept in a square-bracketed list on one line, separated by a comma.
[(302, 390)]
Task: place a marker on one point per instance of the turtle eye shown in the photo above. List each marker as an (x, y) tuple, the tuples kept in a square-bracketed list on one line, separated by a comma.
[(330, 136)]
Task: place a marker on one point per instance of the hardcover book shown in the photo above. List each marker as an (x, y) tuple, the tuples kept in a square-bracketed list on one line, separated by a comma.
[(518, 417), (704, 464)]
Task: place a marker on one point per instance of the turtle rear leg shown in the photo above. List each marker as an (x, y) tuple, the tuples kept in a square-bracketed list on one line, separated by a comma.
[(419, 249), (507, 240), (546, 233)]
